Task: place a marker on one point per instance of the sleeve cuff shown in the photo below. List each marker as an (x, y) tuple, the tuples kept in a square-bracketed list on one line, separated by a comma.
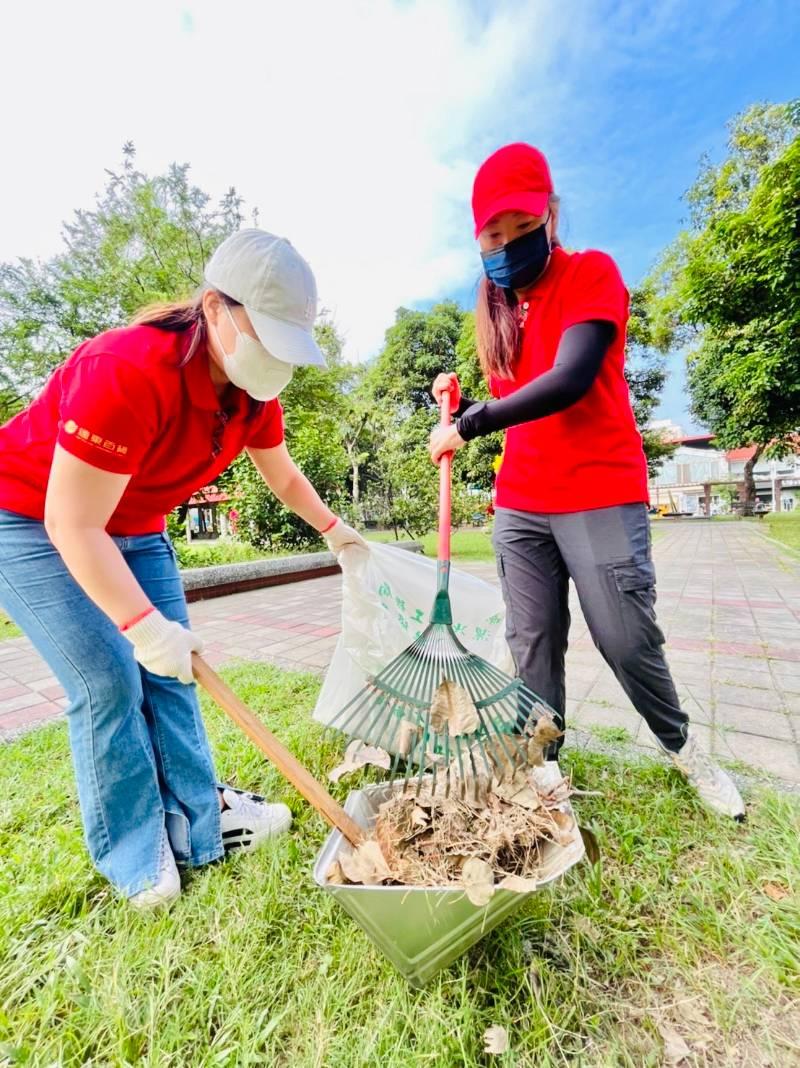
[(472, 423)]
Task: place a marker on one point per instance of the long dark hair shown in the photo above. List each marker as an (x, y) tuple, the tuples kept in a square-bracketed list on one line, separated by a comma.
[(179, 316)]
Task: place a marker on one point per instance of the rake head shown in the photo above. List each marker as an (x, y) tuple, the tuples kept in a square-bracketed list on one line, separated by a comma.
[(448, 716)]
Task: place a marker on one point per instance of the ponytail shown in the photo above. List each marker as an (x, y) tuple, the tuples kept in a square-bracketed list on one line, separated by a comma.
[(179, 316)]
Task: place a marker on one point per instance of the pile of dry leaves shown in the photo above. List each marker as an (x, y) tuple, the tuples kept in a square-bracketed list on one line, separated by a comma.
[(483, 830)]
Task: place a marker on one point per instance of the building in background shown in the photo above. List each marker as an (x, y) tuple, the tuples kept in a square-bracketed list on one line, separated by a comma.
[(700, 479)]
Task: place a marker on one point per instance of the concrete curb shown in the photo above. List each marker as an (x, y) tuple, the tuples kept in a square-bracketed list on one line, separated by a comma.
[(219, 580)]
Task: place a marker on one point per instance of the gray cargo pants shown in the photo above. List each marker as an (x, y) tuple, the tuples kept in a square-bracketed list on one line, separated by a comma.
[(606, 553)]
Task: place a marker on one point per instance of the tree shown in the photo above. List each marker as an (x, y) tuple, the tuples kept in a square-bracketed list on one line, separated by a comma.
[(146, 239), (313, 404), (645, 371), (402, 482), (731, 284)]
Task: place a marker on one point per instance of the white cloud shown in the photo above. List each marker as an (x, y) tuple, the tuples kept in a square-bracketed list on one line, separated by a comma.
[(354, 127)]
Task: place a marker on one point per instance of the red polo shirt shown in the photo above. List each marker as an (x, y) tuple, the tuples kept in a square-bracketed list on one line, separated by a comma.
[(590, 455), (123, 402)]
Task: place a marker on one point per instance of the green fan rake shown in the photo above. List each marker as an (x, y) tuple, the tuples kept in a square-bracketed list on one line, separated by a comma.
[(411, 707)]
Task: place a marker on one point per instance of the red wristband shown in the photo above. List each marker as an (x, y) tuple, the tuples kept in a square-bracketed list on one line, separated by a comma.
[(137, 619), (330, 526)]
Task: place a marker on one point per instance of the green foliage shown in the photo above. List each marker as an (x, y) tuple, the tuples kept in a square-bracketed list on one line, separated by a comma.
[(209, 553), (402, 483), (254, 965), (145, 240), (313, 405), (645, 371), (731, 284)]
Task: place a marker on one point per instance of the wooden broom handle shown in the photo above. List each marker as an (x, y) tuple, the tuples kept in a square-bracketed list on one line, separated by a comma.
[(288, 765)]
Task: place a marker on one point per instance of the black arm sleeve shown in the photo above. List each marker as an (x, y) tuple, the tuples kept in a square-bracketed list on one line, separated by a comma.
[(580, 354)]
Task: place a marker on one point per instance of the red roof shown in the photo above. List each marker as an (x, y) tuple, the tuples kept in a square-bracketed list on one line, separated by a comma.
[(208, 495), (740, 454)]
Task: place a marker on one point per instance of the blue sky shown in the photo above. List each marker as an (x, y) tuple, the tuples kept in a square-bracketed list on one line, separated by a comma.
[(356, 126), (647, 90)]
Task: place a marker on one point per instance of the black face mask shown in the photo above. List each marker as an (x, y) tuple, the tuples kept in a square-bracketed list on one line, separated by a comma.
[(519, 263)]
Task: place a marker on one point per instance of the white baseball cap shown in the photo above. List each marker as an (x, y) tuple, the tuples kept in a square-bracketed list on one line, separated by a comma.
[(275, 284)]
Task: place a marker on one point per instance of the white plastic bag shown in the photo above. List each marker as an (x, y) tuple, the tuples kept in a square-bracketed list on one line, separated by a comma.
[(387, 595)]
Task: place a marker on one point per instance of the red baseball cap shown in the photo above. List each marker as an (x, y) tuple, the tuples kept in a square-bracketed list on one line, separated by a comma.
[(514, 178)]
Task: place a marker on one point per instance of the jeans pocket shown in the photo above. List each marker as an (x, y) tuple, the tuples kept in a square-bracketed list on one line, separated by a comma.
[(168, 542), (511, 626)]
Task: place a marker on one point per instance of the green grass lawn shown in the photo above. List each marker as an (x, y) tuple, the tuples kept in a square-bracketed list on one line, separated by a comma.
[(782, 526), (256, 966), (467, 543)]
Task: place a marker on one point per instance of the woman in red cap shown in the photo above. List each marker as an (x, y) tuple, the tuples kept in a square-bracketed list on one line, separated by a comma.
[(130, 426), (571, 493)]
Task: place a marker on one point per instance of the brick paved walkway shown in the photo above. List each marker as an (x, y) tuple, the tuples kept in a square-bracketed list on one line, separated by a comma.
[(729, 604)]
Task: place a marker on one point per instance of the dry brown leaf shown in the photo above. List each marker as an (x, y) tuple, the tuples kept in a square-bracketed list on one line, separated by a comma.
[(366, 864), (495, 1040), (519, 791), (407, 734), (477, 878), (453, 710), (356, 756), (675, 1049), (546, 730), (518, 884), (419, 817), (334, 874), (775, 891)]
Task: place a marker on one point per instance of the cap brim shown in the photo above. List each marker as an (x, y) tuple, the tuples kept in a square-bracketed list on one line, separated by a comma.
[(531, 203), (286, 341)]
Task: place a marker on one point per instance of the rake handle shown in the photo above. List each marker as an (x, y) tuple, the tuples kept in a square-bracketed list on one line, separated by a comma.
[(287, 764), (445, 467)]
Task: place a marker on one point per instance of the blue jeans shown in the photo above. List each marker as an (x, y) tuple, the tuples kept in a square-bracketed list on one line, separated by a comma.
[(139, 747)]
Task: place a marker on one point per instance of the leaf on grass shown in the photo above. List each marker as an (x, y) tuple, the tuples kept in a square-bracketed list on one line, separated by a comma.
[(775, 891), (675, 1049), (477, 878), (518, 884), (356, 756), (419, 817), (453, 709), (366, 864), (495, 1040), (334, 874)]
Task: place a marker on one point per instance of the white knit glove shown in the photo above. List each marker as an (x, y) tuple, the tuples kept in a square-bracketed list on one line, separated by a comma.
[(163, 646), (340, 535)]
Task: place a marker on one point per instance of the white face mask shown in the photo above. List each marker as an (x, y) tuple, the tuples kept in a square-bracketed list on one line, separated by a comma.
[(252, 368)]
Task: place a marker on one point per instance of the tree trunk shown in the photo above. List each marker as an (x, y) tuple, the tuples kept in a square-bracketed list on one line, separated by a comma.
[(749, 485), (356, 484)]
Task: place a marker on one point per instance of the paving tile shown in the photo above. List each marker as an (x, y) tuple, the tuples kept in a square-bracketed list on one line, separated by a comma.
[(767, 754), (754, 721), (747, 696)]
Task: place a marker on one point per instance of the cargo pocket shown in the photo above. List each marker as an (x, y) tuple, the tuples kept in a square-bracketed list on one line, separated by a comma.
[(636, 588), (511, 626), (631, 576)]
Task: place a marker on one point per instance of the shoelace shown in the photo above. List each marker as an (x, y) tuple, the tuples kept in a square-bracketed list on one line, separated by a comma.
[(246, 807), (696, 763)]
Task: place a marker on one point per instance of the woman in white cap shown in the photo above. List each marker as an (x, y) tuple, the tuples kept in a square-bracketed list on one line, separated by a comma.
[(125, 430)]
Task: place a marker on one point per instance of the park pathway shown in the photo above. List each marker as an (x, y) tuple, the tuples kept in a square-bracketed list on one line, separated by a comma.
[(728, 602)]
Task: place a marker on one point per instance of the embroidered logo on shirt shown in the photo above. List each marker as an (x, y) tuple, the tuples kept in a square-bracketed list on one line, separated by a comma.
[(71, 427)]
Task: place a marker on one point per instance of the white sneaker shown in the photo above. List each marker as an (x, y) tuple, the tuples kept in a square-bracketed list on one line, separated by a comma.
[(168, 887), (249, 820), (715, 787)]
